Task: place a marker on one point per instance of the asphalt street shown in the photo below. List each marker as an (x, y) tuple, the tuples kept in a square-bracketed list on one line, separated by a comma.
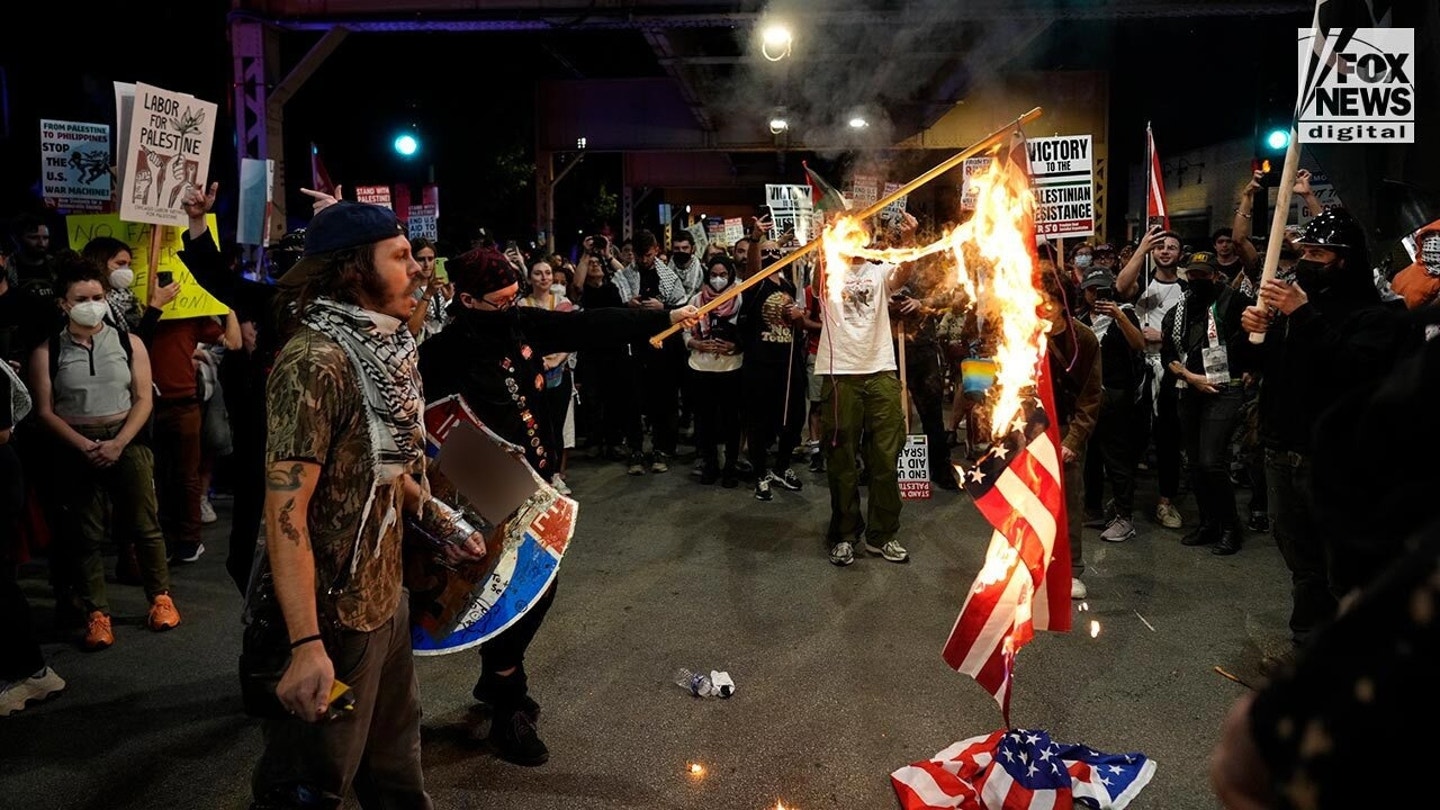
[(838, 672)]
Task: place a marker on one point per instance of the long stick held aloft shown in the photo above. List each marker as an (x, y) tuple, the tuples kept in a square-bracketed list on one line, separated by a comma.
[(871, 210), (1292, 164)]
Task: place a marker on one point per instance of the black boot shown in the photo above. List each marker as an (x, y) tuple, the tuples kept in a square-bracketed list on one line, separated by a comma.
[(1206, 534), (1229, 543), (511, 690), (516, 739)]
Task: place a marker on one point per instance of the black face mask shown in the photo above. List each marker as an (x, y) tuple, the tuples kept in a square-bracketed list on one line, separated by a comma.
[(1313, 276), (1205, 289), (681, 260)]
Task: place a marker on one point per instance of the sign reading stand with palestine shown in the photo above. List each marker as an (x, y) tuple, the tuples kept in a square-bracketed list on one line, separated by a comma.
[(166, 154), (1063, 170), (75, 163), (374, 195), (913, 468)]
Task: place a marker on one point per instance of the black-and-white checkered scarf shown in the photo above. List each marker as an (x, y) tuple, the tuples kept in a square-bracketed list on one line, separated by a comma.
[(386, 363)]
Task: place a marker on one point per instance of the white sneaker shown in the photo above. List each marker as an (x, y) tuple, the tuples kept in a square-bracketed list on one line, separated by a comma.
[(892, 551), (15, 696), (207, 512), (1168, 515), (1077, 589), (560, 486), (1118, 531)]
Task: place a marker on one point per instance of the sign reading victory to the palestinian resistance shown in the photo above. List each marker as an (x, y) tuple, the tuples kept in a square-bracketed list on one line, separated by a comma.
[(526, 523), (1064, 180), (167, 154), (75, 164)]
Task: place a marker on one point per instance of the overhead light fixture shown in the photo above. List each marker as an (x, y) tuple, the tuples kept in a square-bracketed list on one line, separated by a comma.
[(580, 143), (858, 122), (775, 41), (778, 125), (406, 145)]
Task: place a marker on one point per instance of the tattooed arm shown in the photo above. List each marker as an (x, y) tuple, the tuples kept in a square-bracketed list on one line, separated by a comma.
[(305, 687)]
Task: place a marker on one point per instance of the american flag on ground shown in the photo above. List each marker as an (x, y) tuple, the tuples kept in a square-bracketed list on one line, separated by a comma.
[(1155, 211), (1019, 487), (1021, 769)]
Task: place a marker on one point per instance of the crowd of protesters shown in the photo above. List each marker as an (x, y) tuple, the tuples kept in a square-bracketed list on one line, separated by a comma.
[(116, 416)]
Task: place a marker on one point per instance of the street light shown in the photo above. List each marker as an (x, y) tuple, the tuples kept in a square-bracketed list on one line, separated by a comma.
[(406, 145), (858, 122), (1277, 139), (775, 41)]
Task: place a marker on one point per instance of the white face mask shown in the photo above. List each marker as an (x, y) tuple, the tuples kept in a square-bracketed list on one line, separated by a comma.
[(89, 313), (718, 283), (121, 278), (1084, 260)]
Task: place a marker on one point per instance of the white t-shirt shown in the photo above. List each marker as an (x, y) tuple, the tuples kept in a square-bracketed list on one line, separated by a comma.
[(1158, 298), (856, 339)]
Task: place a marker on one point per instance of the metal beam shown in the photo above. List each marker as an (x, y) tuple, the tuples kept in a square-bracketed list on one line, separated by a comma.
[(582, 16), (660, 44), (308, 64)]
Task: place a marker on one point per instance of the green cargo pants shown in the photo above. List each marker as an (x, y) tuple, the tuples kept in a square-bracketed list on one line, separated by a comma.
[(860, 413)]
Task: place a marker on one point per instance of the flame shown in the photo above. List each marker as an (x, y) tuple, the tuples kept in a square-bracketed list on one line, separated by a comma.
[(992, 264)]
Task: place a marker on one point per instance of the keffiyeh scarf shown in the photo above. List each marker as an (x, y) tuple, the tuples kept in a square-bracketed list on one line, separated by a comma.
[(386, 363)]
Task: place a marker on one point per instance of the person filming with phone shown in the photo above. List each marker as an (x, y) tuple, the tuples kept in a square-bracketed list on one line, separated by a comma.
[(1153, 299)]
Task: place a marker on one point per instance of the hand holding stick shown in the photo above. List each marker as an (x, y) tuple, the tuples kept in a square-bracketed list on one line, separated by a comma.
[(870, 211)]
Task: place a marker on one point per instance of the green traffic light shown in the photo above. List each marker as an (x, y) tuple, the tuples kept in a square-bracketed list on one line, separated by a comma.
[(1277, 139)]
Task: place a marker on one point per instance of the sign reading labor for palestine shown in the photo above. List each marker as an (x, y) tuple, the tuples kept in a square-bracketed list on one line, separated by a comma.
[(167, 154), (1063, 170)]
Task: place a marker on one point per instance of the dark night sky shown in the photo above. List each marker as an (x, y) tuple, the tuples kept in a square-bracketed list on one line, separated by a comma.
[(1197, 78)]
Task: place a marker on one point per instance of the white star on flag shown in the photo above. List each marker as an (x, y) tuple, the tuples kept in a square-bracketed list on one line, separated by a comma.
[(976, 474)]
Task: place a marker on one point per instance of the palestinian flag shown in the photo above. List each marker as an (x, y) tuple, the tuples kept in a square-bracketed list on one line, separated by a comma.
[(823, 196)]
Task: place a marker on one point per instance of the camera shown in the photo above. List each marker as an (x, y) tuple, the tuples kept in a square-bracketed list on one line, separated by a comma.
[(1105, 294)]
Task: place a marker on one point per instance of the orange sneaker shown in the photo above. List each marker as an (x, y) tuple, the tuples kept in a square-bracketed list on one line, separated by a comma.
[(97, 631), (163, 614)]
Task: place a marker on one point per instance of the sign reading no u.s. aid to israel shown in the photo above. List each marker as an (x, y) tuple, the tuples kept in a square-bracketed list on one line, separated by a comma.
[(1063, 170), (1357, 85)]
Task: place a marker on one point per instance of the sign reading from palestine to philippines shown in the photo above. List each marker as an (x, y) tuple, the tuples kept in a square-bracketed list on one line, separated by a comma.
[(75, 164), (1064, 181)]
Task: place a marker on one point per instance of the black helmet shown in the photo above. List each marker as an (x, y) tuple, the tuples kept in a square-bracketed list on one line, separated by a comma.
[(1337, 230), (283, 255)]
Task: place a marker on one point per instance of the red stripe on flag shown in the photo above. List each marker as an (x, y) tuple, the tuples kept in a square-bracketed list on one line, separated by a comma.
[(1155, 209)]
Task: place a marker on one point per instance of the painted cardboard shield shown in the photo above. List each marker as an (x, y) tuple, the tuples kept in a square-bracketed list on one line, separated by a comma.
[(527, 526)]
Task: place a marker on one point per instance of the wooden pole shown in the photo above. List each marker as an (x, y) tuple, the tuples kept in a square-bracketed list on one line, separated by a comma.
[(879, 205), (1277, 219)]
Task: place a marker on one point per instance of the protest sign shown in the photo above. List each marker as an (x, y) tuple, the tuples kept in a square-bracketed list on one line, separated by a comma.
[(193, 300), (973, 166), (913, 468), (257, 179), (374, 195), (168, 153), (734, 230), (75, 164), (1062, 168), (423, 222)]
